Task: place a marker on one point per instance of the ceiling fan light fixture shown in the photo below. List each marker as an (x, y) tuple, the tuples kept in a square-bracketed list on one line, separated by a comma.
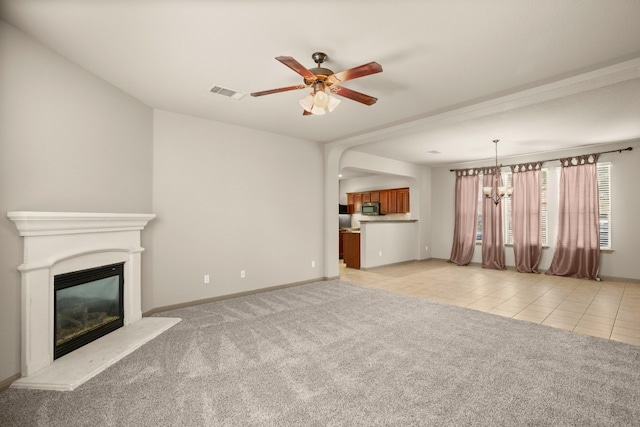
[(320, 79), (318, 111), (321, 99), (333, 103), (307, 102), (319, 102)]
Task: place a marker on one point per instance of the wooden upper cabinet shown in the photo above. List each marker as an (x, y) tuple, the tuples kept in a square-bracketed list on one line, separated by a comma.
[(392, 206), (357, 202), (402, 200), (395, 200), (383, 196), (350, 203)]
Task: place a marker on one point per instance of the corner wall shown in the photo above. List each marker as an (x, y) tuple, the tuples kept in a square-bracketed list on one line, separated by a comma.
[(69, 141)]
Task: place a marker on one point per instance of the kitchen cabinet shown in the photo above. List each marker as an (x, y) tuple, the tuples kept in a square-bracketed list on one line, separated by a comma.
[(341, 245), (394, 200), (402, 201), (392, 197), (384, 201), (357, 203), (351, 254)]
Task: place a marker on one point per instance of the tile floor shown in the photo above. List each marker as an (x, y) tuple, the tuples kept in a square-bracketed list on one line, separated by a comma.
[(607, 309)]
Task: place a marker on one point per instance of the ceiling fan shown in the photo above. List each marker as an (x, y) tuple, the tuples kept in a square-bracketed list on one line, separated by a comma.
[(322, 79)]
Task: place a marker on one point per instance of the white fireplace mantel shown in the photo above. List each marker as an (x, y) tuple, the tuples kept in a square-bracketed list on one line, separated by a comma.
[(63, 242), (50, 223)]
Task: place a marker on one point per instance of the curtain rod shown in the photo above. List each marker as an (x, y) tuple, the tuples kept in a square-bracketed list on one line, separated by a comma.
[(550, 160)]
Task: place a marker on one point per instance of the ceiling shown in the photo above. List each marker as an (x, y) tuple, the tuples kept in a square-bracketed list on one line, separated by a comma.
[(539, 75)]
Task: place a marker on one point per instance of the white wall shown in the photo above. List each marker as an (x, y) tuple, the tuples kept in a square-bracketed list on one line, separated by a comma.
[(228, 199), (622, 262), (68, 142), (388, 242)]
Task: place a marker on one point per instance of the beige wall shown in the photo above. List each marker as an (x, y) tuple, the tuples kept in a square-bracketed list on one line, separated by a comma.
[(228, 199), (68, 142)]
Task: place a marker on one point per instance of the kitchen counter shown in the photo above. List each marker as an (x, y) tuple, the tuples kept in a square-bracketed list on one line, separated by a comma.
[(349, 230), (386, 221), (386, 242)]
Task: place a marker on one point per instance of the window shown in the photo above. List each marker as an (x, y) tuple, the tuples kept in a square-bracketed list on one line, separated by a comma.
[(479, 221), (544, 212), (508, 221), (604, 202), (507, 178), (604, 198)]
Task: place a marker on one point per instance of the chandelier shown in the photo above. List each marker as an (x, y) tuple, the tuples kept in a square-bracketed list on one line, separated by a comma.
[(496, 192)]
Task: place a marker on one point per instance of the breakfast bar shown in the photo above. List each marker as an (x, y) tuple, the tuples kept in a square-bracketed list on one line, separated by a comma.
[(383, 242)]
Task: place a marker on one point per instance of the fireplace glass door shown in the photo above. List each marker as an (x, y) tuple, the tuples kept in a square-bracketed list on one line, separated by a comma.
[(88, 305)]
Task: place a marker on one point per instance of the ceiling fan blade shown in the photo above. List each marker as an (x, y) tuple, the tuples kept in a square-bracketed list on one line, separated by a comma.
[(296, 66), (356, 96), (354, 73), (282, 89), (306, 113)]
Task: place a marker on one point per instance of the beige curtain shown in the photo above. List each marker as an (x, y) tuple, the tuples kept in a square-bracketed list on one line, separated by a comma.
[(577, 252), (525, 214), (492, 234), (466, 215)]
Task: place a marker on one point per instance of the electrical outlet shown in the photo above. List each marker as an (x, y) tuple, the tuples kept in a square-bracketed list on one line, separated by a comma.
[(242, 274), (313, 264), (206, 278), (380, 253)]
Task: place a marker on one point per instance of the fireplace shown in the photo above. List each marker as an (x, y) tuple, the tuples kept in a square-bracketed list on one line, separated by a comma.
[(68, 257), (88, 304)]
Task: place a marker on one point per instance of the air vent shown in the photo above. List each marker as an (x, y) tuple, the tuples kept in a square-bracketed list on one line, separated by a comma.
[(434, 152), (227, 92)]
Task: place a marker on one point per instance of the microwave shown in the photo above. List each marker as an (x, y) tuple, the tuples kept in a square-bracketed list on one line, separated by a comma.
[(372, 208)]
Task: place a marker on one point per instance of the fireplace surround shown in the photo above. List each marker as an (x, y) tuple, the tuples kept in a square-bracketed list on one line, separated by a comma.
[(57, 243)]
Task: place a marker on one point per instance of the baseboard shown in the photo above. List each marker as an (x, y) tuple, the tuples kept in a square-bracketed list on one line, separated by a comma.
[(619, 279), (4, 384), (411, 261), (228, 296)]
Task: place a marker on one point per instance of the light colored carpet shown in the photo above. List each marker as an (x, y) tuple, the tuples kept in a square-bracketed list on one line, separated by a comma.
[(332, 353)]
